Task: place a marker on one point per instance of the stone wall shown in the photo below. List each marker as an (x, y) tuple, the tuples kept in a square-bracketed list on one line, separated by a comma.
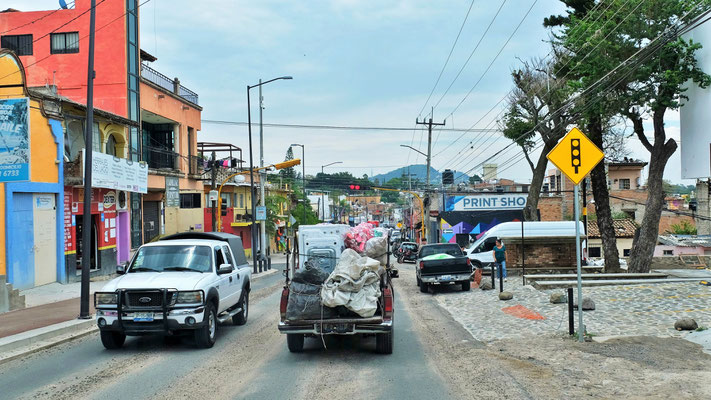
[(541, 255), (550, 207)]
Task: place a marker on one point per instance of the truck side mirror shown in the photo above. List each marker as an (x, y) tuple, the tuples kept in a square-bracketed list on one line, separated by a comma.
[(121, 269), (225, 269)]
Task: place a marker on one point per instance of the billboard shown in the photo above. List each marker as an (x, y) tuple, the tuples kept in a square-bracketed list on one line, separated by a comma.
[(14, 140), (695, 117), (111, 172), (486, 202)]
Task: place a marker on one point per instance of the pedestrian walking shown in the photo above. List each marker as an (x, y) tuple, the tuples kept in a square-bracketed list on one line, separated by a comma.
[(500, 258)]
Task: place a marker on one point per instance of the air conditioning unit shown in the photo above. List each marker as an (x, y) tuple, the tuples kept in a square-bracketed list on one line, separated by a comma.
[(122, 200)]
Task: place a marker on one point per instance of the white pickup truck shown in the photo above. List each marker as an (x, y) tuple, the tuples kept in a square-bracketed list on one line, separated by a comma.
[(181, 284)]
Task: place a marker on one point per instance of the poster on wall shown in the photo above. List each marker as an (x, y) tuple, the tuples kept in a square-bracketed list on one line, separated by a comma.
[(14, 140), (172, 191), (111, 172)]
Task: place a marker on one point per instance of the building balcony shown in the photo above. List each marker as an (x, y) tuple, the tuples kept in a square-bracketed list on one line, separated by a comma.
[(170, 85)]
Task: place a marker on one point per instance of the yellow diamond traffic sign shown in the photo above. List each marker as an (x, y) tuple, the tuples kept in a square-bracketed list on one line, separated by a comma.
[(575, 155), (399, 225)]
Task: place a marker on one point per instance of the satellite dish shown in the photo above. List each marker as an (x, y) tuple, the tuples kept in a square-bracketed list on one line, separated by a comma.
[(63, 4)]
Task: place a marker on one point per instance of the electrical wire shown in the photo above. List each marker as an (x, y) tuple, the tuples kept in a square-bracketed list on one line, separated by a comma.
[(35, 20), (323, 127)]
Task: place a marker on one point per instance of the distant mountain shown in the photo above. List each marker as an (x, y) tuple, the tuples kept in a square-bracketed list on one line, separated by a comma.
[(418, 172)]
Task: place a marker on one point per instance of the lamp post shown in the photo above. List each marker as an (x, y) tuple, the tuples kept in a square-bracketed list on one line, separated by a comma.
[(251, 162), (303, 173), (322, 196)]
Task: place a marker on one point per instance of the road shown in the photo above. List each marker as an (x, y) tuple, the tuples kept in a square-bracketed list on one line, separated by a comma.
[(252, 361)]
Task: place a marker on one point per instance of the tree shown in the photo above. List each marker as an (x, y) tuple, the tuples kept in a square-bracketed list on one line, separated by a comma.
[(288, 173), (532, 112), (683, 228), (273, 204), (475, 179)]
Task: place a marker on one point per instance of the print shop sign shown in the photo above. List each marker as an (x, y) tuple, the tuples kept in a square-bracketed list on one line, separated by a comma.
[(487, 202), (14, 140)]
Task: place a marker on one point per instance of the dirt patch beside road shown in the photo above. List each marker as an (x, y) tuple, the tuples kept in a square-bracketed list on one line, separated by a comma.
[(553, 366)]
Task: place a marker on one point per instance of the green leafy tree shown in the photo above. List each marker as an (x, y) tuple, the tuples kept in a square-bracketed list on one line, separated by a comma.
[(273, 204), (683, 228), (288, 173)]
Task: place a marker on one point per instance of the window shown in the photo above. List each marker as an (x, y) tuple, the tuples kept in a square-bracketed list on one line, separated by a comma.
[(190, 200), (594, 252), (111, 146), (20, 44), (241, 200), (626, 252), (668, 252), (624, 184), (219, 258), (228, 256), (96, 138), (64, 43)]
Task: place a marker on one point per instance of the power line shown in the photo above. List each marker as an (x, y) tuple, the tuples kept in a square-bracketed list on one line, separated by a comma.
[(324, 127), (34, 21)]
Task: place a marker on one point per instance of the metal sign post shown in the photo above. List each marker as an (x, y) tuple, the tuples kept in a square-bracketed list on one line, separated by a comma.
[(575, 155), (581, 327)]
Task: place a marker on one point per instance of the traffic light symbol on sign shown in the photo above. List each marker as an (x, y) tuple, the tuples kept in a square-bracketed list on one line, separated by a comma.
[(575, 153)]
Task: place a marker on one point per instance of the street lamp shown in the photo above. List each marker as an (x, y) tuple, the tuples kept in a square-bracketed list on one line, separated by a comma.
[(323, 204), (303, 172), (251, 162), (413, 149)]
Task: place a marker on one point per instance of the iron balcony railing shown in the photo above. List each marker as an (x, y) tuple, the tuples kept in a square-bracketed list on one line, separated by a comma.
[(171, 85), (158, 158)]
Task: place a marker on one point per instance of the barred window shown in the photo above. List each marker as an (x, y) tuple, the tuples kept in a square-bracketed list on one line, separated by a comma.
[(64, 43), (190, 200), (20, 44)]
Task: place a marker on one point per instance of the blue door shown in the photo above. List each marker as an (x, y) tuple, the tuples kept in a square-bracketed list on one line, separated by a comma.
[(21, 255)]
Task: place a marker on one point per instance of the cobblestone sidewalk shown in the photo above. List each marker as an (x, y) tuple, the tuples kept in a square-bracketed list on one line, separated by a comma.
[(625, 310)]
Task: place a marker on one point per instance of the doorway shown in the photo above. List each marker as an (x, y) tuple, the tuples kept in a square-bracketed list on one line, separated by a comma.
[(93, 251), (151, 219)]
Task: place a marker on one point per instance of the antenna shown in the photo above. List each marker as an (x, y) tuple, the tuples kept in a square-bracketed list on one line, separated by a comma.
[(63, 4)]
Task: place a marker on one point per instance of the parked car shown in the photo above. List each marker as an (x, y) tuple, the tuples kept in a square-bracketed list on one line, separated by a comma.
[(480, 252), (453, 268), (407, 252), (183, 284)]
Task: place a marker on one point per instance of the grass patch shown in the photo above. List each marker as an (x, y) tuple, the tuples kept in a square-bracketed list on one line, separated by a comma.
[(701, 329)]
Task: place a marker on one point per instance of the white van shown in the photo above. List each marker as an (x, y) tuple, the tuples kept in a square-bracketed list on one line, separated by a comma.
[(480, 252)]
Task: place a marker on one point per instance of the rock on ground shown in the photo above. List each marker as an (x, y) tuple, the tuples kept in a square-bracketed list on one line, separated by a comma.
[(588, 304), (558, 298), (485, 285), (505, 296), (685, 324)]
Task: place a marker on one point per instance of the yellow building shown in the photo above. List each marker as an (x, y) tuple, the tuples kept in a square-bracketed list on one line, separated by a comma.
[(31, 182)]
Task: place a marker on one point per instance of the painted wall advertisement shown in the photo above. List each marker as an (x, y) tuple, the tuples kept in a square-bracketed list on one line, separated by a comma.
[(172, 191), (111, 172), (14, 140), (485, 202)]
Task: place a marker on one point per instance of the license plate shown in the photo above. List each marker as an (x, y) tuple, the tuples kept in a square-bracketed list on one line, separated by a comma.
[(335, 328), (445, 278), (143, 317)]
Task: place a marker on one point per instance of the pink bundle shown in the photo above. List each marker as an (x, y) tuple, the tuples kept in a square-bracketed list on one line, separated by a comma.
[(358, 236)]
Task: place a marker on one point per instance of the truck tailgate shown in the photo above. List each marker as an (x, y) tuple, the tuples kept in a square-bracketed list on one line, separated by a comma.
[(457, 265)]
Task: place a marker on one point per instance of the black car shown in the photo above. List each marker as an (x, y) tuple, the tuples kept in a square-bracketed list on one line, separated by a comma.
[(407, 252)]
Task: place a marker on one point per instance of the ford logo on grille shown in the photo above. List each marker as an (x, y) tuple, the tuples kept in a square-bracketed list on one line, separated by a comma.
[(145, 299)]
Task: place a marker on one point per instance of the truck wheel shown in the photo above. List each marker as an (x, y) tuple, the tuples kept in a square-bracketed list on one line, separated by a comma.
[(384, 343), (205, 336), (112, 340), (423, 287), (466, 285), (241, 318), (295, 342)]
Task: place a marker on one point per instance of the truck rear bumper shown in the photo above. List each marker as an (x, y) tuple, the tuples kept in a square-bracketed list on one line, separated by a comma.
[(335, 328), (446, 278)]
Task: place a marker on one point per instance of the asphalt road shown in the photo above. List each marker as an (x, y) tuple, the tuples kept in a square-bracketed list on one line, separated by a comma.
[(252, 361)]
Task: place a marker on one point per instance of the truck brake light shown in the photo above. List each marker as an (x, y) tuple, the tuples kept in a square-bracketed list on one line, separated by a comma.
[(469, 262), (283, 303), (422, 264), (388, 298)]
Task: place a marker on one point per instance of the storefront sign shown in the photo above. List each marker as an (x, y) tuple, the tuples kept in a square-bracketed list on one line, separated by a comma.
[(109, 199), (172, 191), (118, 173), (486, 202), (14, 140), (69, 222)]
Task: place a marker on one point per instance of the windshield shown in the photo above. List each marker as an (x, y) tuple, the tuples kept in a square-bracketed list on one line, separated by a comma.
[(452, 250), (172, 258)]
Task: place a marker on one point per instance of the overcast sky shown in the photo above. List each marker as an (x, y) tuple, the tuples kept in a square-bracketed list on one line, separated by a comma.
[(354, 63)]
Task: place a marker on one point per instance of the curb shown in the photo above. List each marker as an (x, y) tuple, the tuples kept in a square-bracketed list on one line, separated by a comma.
[(22, 344), (32, 341)]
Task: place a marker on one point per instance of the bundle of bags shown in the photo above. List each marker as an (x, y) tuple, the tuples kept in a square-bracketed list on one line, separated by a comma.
[(354, 284), (305, 294), (357, 237)]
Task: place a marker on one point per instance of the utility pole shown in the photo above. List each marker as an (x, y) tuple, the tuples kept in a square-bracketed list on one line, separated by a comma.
[(429, 124), (262, 178), (213, 187), (88, 135)]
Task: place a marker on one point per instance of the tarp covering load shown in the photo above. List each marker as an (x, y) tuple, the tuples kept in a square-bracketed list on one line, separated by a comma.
[(440, 256), (377, 249), (305, 294), (354, 283), (357, 237)]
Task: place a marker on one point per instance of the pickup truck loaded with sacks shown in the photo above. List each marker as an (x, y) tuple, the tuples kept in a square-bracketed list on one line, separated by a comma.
[(339, 283)]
